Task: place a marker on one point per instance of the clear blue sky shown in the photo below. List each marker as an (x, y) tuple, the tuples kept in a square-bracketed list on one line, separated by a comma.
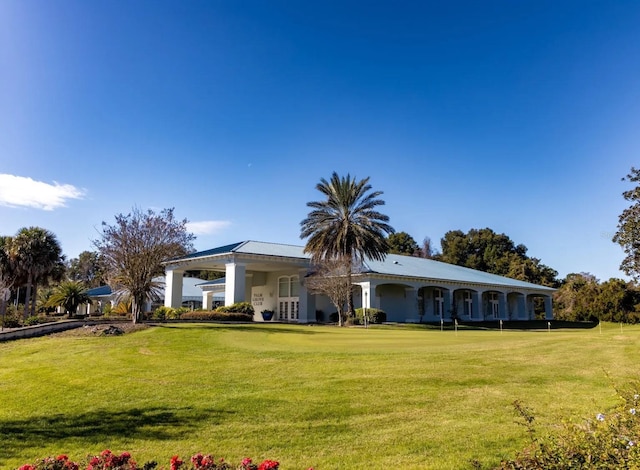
[(521, 116)]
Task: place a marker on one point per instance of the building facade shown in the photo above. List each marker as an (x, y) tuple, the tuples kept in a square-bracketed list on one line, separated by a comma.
[(408, 289)]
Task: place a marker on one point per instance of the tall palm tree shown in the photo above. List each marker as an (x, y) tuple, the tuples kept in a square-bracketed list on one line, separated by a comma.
[(346, 225), (38, 257), (69, 294), (7, 274)]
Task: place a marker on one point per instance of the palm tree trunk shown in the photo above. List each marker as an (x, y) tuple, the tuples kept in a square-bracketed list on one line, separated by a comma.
[(350, 309), (34, 299), (27, 296)]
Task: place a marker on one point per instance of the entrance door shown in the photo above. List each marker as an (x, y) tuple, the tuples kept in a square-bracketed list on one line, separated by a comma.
[(288, 298)]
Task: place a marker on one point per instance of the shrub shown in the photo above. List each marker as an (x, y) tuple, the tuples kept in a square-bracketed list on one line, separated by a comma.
[(216, 315), (168, 313), (12, 317), (238, 307), (375, 315), (609, 440), (333, 317), (33, 320)]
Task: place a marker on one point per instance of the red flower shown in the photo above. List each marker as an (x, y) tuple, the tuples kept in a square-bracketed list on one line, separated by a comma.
[(176, 462), (269, 465), (62, 457), (27, 467), (105, 452)]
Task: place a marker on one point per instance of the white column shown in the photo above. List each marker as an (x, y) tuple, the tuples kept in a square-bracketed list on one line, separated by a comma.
[(235, 283), (369, 299), (548, 308), (173, 288), (207, 300)]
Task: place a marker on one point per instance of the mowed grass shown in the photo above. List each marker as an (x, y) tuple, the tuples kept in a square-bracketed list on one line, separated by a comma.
[(405, 397)]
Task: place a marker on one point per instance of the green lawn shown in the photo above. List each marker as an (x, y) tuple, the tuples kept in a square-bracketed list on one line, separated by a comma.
[(388, 397)]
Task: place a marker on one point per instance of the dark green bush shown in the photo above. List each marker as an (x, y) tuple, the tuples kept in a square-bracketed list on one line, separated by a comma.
[(238, 307), (333, 317), (33, 320), (216, 315), (375, 316)]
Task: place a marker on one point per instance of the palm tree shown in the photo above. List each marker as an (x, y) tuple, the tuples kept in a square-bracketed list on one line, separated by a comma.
[(69, 294), (346, 226), (7, 274), (37, 257)]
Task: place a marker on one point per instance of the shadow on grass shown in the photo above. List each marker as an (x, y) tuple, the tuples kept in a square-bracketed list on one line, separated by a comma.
[(102, 426)]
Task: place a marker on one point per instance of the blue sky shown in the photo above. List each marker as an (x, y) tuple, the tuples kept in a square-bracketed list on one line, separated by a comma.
[(518, 116)]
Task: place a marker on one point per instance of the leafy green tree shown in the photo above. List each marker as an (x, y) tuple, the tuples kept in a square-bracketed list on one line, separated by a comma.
[(69, 295), (401, 243), (346, 226), (628, 233), (87, 268), (575, 299), (134, 248), (495, 253), (616, 301), (38, 259)]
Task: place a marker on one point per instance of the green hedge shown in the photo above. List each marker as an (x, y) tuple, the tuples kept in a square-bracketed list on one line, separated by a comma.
[(238, 307)]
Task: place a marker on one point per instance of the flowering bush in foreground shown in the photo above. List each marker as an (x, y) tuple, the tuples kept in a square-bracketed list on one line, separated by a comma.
[(607, 441), (107, 460)]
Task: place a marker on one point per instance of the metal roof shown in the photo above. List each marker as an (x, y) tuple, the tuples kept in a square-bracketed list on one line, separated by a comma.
[(393, 265), (411, 266)]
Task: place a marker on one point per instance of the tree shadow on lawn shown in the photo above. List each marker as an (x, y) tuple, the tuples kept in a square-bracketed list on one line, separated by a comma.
[(158, 423)]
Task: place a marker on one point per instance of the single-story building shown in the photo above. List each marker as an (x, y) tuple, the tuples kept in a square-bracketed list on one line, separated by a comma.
[(407, 288), (191, 296)]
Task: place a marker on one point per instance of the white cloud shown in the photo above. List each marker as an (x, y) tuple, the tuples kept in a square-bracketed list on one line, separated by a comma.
[(207, 227), (18, 191)]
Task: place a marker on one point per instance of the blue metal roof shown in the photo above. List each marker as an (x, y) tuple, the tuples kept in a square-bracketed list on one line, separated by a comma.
[(214, 251), (393, 265), (98, 291), (410, 266)]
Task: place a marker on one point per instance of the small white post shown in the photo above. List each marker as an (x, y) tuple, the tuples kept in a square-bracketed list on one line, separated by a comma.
[(500, 326), (549, 326), (441, 324), (600, 326), (456, 326)]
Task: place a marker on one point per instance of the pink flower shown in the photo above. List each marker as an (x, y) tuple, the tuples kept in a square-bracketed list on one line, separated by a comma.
[(27, 467)]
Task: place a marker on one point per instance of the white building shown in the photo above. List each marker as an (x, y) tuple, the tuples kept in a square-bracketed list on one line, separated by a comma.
[(408, 289)]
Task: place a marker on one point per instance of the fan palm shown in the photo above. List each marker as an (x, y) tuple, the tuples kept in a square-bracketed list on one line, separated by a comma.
[(346, 225), (37, 256), (69, 295)]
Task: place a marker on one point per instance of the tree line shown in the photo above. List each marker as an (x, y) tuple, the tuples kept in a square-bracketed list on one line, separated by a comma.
[(342, 229)]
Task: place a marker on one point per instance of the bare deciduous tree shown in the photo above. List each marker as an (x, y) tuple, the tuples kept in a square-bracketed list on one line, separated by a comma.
[(333, 278), (134, 248)]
